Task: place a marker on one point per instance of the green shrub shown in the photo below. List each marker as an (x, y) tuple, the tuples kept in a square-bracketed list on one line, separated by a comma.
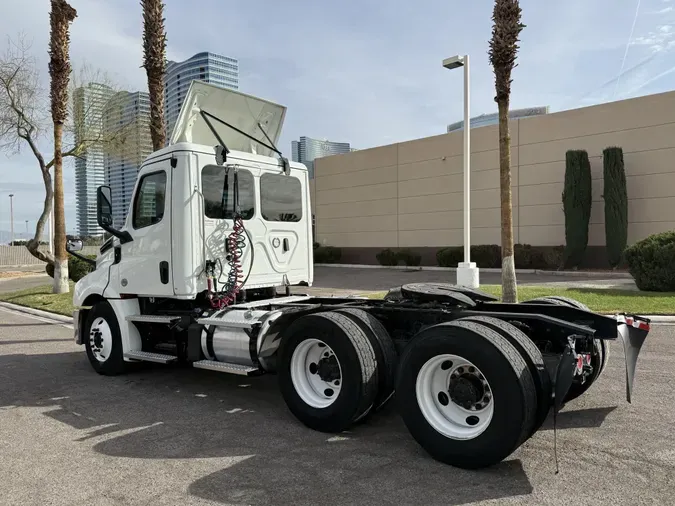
[(616, 204), (553, 257), (327, 255), (486, 256), (577, 199), (387, 257), (651, 262), (450, 257), (409, 257), (77, 268)]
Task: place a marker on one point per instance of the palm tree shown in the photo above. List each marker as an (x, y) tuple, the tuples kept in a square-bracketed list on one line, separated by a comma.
[(154, 61), (503, 52), (60, 17)]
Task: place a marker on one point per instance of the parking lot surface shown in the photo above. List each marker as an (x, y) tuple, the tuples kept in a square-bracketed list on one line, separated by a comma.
[(171, 436)]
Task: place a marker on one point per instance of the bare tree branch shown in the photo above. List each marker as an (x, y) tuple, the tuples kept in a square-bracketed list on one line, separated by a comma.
[(25, 120)]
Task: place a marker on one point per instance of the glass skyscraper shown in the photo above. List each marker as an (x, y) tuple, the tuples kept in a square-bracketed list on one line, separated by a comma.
[(90, 102), (211, 68), (132, 111), (306, 150)]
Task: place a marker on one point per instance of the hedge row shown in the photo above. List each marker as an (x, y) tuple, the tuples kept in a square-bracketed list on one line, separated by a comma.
[(489, 256), (405, 256)]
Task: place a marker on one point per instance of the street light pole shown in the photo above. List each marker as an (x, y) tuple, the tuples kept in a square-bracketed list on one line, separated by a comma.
[(467, 164), (467, 271), (11, 218)]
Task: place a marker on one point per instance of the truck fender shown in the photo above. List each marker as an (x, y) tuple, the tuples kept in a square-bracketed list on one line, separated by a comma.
[(131, 338)]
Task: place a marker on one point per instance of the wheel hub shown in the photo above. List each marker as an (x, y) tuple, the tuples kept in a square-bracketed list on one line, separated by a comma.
[(466, 390), (328, 369), (454, 396), (316, 373), (98, 338)]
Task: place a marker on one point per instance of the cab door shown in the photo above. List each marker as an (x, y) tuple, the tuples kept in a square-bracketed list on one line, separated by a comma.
[(145, 264)]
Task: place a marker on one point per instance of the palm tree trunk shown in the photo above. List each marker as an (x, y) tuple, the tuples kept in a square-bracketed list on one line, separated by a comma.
[(154, 61), (60, 254), (60, 17), (509, 288)]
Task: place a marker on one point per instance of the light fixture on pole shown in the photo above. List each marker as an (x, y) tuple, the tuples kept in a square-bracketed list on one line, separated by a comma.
[(467, 271), (11, 218)]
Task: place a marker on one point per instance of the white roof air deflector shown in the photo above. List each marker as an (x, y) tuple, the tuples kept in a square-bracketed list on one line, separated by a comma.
[(242, 111)]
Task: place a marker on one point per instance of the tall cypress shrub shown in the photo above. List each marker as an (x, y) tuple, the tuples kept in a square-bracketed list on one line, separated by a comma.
[(616, 204), (576, 200)]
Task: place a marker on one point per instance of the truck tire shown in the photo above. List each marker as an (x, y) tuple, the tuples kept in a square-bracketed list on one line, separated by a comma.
[(327, 371), (385, 352), (535, 362), (598, 359), (103, 341), (446, 374)]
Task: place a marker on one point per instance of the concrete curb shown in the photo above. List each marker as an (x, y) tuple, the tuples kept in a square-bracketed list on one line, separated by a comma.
[(37, 312), (598, 274)]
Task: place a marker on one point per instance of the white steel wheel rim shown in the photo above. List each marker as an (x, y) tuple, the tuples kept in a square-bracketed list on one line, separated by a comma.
[(454, 421), (100, 339), (305, 375)]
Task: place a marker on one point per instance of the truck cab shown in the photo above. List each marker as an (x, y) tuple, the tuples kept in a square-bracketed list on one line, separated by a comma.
[(183, 206)]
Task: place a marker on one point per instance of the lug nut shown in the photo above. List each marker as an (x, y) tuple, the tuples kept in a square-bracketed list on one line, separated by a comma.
[(472, 369), (460, 370)]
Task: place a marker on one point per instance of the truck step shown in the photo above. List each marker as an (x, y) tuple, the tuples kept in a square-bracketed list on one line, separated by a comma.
[(147, 356), (212, 365), (150, 318)]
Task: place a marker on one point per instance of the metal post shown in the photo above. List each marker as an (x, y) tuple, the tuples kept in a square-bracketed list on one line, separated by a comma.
[(467, 162), (11, 218)]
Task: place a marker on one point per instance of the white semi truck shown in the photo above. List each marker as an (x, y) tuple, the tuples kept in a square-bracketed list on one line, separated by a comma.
[(220, 223)]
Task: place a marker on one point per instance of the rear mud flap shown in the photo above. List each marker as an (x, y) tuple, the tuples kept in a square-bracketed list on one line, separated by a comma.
[(633, 338)]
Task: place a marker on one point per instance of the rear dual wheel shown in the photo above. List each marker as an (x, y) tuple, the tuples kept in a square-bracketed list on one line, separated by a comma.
[(336, 368), (466, 394)]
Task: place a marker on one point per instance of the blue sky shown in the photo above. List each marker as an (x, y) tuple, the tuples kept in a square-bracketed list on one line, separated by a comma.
[(366, 72)]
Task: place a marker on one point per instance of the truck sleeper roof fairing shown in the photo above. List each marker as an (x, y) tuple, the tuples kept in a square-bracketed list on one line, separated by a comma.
[(245, 112)]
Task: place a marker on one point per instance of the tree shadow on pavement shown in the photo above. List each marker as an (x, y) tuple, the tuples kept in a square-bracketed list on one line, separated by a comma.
[(161, 413)]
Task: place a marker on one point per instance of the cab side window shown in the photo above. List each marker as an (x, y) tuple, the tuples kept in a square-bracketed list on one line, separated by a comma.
[(149, 201), (218, 191), (280, 197)]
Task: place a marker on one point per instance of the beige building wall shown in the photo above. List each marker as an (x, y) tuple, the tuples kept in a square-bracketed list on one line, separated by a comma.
[(410, 194)]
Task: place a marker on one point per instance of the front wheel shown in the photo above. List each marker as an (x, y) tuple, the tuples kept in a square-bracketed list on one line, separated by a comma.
[(103, 341), (466, 394)]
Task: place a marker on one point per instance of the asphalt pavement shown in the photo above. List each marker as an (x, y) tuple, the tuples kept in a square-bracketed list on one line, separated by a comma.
[(166, 436)]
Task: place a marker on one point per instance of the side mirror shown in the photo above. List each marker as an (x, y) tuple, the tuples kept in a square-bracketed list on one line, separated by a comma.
[(104, 207), (104, 215), (75, 245)]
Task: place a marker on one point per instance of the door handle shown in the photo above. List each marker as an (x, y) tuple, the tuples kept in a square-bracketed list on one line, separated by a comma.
[(286, 248)]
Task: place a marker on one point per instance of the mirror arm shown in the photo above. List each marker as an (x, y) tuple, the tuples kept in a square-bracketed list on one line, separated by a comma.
[(123, 236)]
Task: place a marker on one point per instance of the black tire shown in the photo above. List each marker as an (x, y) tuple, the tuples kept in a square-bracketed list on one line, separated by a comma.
[(529, 351), (512, 386), (358, 366), (601, 350), (385, 352), (114, 363), (570, 302)]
